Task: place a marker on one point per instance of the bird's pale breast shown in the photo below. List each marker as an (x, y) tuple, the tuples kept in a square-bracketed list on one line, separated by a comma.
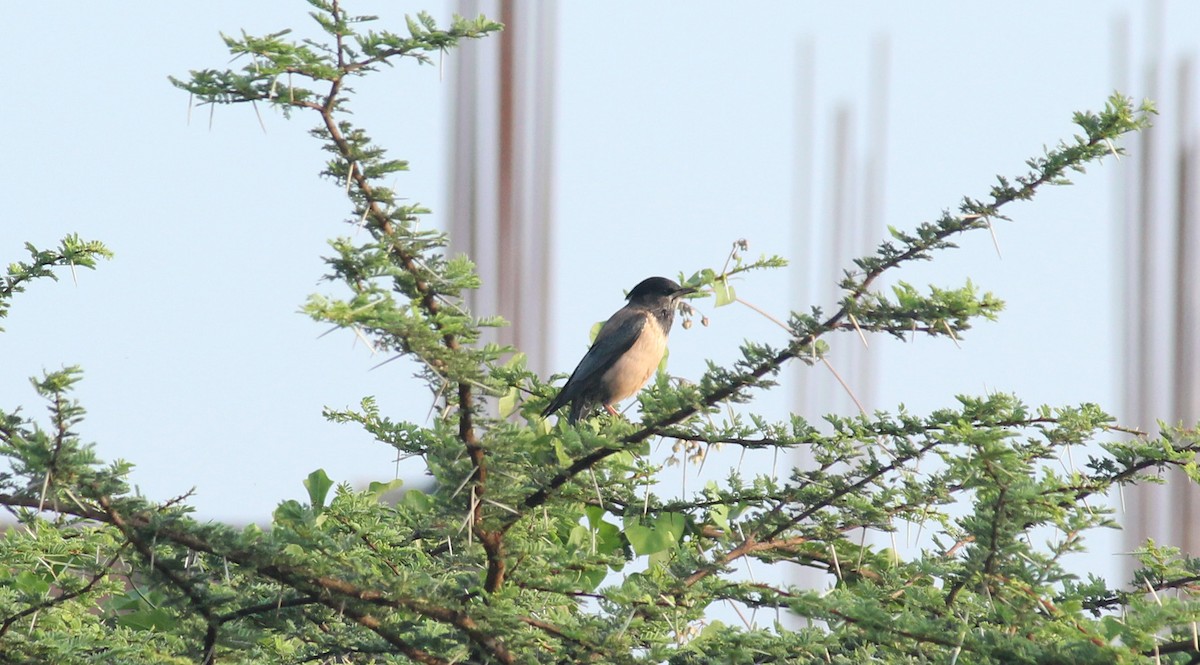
[(631, 371)]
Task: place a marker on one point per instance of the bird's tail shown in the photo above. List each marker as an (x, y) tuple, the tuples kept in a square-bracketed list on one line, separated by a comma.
[(555, 404), (578, 407)]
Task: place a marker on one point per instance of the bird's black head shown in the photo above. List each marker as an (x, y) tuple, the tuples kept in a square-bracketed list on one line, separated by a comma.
[(655, 289)]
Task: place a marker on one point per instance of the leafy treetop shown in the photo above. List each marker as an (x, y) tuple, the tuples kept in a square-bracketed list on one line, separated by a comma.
[(550, 543)]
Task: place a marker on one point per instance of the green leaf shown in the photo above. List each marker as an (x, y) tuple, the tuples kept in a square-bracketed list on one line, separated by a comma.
[(719, 514), (416, 500), (149, 619), (607, 535), (318, 484), (560, 453), (508, 402), (724, 292), (654, 534), (31, 583), (378, 489), (290, 512)]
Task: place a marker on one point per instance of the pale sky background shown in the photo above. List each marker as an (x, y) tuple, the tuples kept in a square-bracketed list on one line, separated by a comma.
[(674, 136)]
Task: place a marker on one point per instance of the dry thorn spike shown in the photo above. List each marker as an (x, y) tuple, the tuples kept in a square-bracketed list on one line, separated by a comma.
[(75, 499), (1153, 592), (670, 623), (950, 331), (646, 501), (1062, 463), (961, 638), (995, 240), (739, 613), (263, 125), (628, 620), (45, 489), (595, 486), (749, 569), (921, 524), (879, 443), (463, 484), (359, 334), (394, 358), (502, 506), (768, 316), (859, 330), (470, 517), (1112, 148), (845, 386), (1088, 506)]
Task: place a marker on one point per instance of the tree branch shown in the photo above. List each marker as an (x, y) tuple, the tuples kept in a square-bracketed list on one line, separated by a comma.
[(65, 596), (1051, 170)]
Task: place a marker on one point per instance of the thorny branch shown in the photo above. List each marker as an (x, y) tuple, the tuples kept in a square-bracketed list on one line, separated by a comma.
[(492, 541), (66, 595), (196, 598), (333, 593), (917, 248), (376, 214)]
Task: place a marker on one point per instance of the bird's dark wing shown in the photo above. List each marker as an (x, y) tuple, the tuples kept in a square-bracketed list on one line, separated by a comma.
[(615, 338)]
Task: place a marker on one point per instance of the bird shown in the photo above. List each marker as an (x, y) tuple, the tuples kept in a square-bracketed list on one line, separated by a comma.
[(626, 352)]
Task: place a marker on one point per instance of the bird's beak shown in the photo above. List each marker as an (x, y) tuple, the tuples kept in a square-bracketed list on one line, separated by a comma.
[(684, 291)]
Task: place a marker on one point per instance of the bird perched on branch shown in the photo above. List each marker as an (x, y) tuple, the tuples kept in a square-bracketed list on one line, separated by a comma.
[(626, 352)]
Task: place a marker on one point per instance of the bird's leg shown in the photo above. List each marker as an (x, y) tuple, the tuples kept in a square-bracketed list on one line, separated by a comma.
[(611, 410)]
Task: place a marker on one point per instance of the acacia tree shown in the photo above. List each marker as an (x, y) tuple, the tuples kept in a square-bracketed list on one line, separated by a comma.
[(525, 549)]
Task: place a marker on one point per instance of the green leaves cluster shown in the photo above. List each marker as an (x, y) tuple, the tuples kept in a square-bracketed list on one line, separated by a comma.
[(539, 542), (72, 252)]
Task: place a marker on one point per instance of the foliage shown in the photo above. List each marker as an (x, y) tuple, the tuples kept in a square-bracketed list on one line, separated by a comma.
[(549, 543), (72, 251)]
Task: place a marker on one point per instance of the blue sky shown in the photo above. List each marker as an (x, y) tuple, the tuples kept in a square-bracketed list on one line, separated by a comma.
[(675, 136)]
